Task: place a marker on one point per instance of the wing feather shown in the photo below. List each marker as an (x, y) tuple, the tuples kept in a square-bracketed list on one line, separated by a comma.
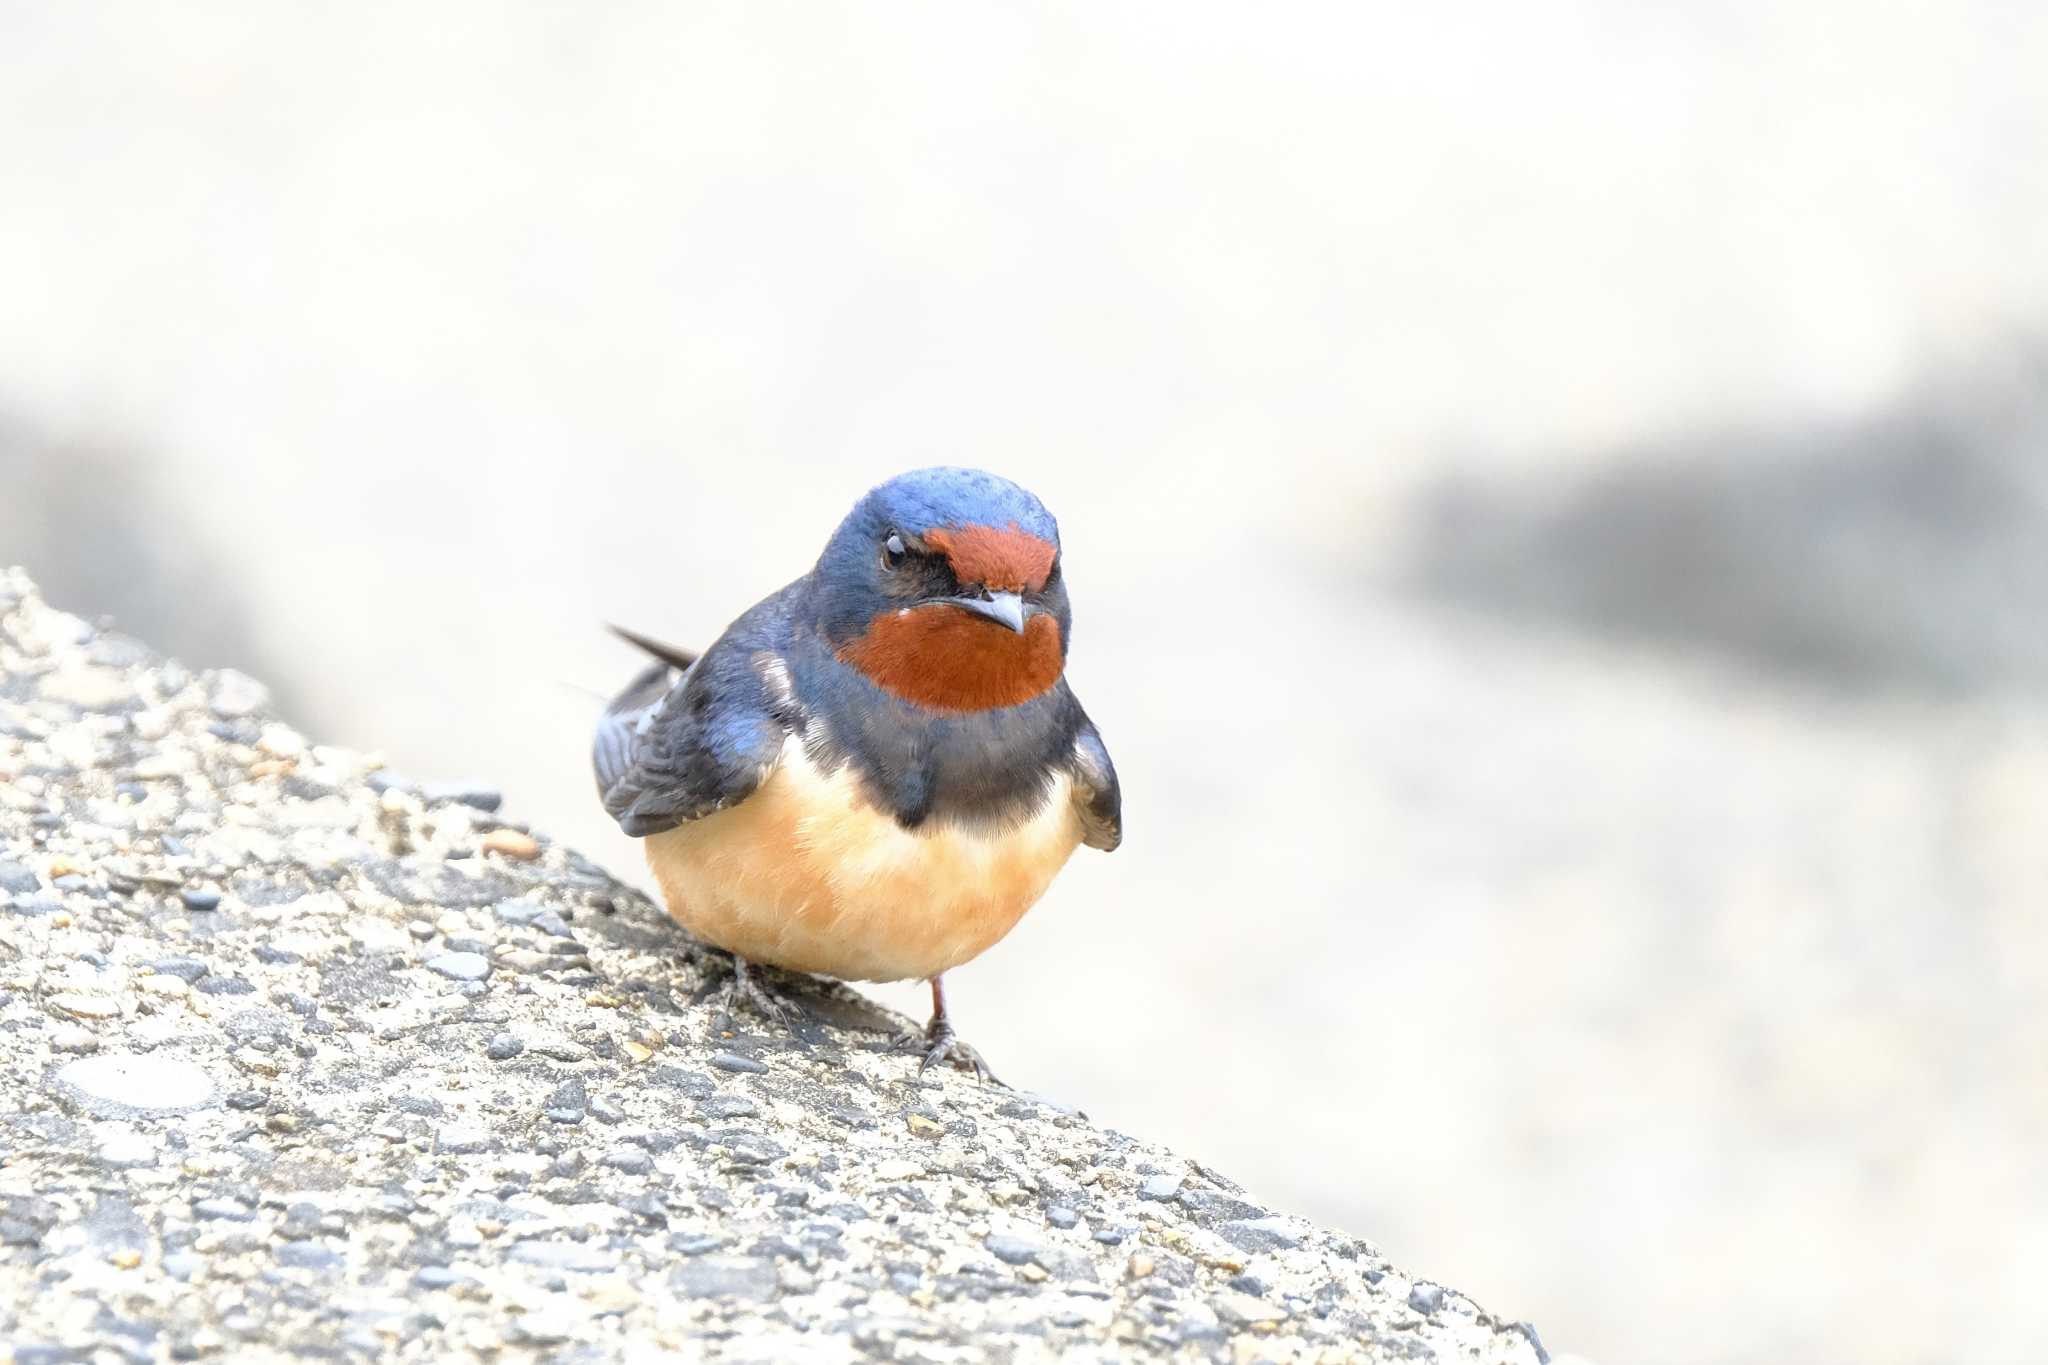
[(1097, 795), (677, 745)]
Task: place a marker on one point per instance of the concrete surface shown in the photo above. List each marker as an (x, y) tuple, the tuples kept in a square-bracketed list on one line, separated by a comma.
[(303, 1061)]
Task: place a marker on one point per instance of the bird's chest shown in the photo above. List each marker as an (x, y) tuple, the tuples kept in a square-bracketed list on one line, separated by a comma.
[(808, 873)]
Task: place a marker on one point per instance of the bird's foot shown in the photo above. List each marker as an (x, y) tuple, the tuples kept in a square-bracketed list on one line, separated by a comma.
[(939, 1043), (746, 988)]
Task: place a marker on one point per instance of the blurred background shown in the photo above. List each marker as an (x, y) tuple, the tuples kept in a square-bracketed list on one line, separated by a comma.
[(1556, 499)]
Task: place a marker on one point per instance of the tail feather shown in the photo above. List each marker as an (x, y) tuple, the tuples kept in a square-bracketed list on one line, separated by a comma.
[(672, 655)]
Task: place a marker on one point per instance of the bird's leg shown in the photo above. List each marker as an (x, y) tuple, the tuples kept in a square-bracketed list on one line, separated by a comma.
[(942, 1044), (746, 989)]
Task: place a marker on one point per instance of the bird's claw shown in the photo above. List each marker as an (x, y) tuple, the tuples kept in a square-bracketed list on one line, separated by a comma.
[(939, 1043), (745, 988)]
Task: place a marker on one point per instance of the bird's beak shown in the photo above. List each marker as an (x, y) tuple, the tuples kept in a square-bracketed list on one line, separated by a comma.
[(1006, 607)]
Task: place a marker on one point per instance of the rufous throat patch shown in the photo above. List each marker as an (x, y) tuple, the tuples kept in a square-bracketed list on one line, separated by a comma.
[(951, 659)]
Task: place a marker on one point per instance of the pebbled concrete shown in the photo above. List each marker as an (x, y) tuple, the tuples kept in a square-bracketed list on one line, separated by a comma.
[(301, 1061)]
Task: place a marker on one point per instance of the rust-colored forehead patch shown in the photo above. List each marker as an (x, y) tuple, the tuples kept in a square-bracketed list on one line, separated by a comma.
[(1007, 558)]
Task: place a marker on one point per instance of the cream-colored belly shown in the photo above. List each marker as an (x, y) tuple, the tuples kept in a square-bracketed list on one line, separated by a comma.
[(805, 874)]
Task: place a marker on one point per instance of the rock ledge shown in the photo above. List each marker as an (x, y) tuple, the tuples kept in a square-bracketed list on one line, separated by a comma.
[(306, 1060)]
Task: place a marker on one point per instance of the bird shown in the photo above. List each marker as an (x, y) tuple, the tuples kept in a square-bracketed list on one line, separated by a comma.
[(879, 768)]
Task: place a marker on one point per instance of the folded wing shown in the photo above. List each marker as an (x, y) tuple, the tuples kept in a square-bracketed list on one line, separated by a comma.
[(1097, 796), (682, 742)]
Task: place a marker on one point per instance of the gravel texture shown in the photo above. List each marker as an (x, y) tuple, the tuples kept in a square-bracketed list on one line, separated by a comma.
[(303, 1063)]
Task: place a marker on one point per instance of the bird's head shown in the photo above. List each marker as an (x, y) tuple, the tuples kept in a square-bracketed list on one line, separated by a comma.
[(943, 587)]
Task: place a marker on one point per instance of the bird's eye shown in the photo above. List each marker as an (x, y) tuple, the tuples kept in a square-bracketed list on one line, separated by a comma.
[(893, 550)]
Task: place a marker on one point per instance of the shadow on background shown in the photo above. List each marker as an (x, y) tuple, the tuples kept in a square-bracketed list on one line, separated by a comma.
[(95, 523), (1907, 548)]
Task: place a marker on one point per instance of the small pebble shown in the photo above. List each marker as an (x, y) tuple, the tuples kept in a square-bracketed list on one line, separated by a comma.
[(503, 1047), (1246, 1311), (1425, 1298), (460, 966), (301, 1220), (79, 1005), (235, 695), (510, 843), (460, 1140), (1011, 1250), (1159, 1187), (308, 1256), (567, 1103), (200, 899), (127, 1148), (73, 1038), (281, 741), (733, 1061), (469, 792)]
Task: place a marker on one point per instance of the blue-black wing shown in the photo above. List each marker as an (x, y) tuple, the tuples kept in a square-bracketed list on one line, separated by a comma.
[(687, 737), (1097, 794)]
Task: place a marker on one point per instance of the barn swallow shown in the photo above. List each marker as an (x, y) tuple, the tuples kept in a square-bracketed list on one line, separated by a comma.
[(877, 770)]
